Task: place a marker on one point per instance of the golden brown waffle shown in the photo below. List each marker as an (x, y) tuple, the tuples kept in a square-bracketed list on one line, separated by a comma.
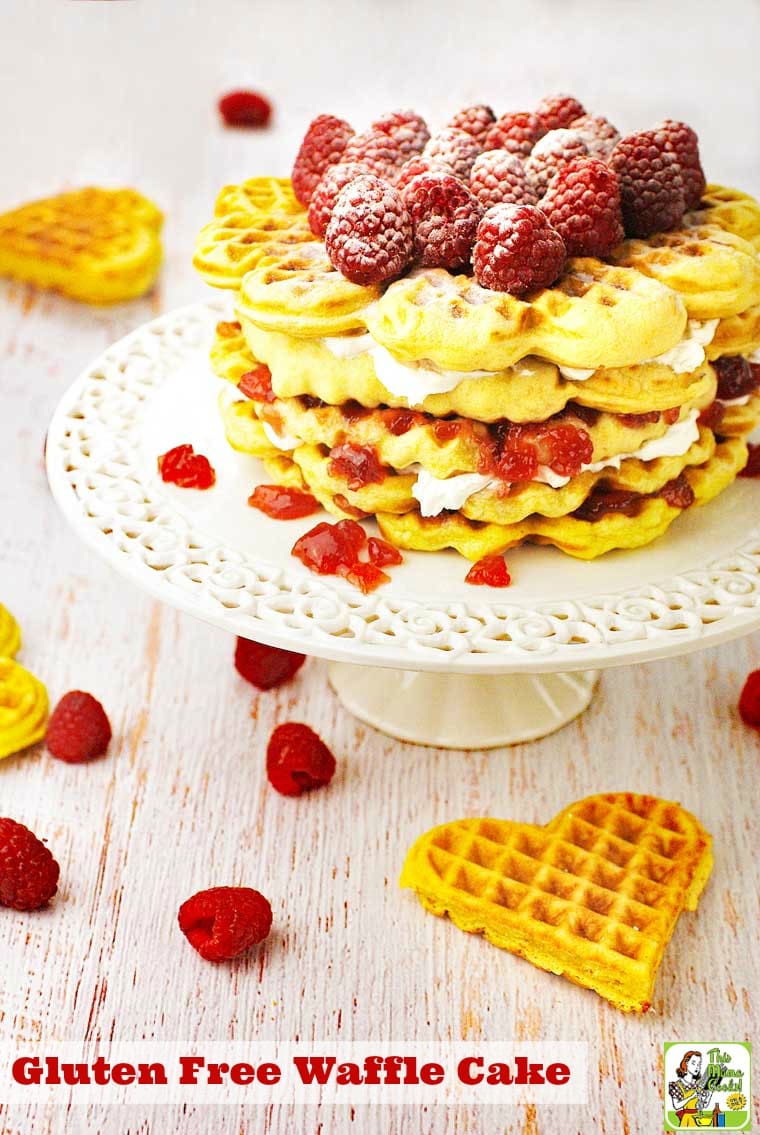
[(582, 539), (227, 249), (300, 292), (738, 421), (594, 895), (532, 391), (736, 334), (258, 196), (526, 502), (716, 273), (729, 209), (99, 246)]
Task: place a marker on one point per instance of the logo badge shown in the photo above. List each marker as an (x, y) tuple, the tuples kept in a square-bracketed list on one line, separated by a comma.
[(708, 1086)]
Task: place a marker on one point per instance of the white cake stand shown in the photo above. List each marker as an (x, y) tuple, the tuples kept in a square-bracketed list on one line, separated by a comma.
[(427, 658)]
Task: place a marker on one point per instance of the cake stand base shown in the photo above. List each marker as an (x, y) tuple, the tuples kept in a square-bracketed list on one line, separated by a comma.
[(460, 711)]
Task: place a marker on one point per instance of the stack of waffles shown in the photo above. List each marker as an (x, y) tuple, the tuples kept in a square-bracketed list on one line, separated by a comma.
[(631, 382)]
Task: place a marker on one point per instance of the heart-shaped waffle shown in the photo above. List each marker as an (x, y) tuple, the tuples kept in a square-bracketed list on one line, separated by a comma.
[(23, 708), (96, 245), (594, 895), (227, 249)]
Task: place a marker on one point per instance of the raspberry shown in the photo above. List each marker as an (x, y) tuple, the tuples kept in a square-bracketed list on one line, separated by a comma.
[(298, 760), (736, 377), (749, 702), (245, 108), (223, 922), (417, 165), (256, 384), (491, 571), (183, 467), (651, 183), (369, 237), (324, 143), (558, 111), (265, 666), (598, 133), (517, 133), (583, 205), (445, 216), (382, 153), (409, 129), (28, 871), (327, 192), (555, 149), (517, 250), (475, 121), (752, 468), (455, 148), (682, 141), (78, 729), (499, 178)]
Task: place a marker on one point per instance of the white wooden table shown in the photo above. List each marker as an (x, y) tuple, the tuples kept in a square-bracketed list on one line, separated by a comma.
[(126, 93)]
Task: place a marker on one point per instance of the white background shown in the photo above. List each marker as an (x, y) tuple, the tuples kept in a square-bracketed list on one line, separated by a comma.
[(125, 92)]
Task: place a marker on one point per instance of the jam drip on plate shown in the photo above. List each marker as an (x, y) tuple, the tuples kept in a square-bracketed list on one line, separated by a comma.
[(283, 504), (336, 549)]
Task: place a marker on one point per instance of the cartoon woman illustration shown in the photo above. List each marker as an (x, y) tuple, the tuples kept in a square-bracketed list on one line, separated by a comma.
[(689, 1093)]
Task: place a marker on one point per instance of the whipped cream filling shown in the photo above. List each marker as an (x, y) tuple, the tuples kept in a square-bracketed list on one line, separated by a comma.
[(348, 346), (434, 494), (735, 401), (280, 441), (690, 352)]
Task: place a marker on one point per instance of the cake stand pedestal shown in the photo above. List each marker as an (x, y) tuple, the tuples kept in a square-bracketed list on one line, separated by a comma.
[(426, 658), (462, 711)]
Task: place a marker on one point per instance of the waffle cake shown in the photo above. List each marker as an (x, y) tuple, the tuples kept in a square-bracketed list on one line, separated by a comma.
[(586, 409), (593, 896)]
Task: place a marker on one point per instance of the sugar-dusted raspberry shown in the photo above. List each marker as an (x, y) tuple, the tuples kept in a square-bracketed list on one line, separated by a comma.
[(684, 143), (583, 204), (245, 108), (79, 729), (737, 377), (406, 126), (558, 111), (517, 250), (265, 666), (651, 183), (223, 922), (327, 192), (28, 871), (383, 152), (186, 469), (456, 148), (418, 165), (475, 121), (490, 571), (752, 468), (500, 178), (256, 384), (445, 216), (749, 702), (369, 237), (517, 133), (554, 150), (324, 144), (598, 133), (298, 760)]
